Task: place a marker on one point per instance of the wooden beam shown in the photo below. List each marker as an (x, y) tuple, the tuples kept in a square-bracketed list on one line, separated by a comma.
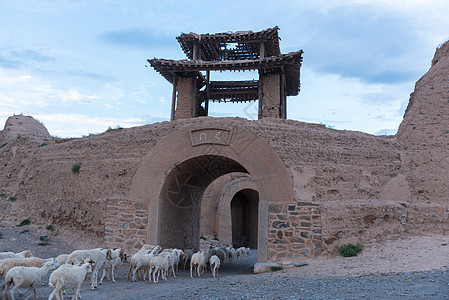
[(262, 49), (260, 95), (196, 51), (282, 106), (206, 104)]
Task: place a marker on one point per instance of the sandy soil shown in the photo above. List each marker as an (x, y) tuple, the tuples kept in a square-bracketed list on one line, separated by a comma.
[(403, 254)]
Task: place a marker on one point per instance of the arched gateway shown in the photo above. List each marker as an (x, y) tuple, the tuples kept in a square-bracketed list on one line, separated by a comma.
[(172, 177)]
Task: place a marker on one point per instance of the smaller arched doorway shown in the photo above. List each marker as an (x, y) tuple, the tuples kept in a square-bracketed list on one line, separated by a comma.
[(244, 218)]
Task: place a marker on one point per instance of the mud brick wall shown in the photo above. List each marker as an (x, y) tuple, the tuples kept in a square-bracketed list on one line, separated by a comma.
[(294, 230), (126, 224)]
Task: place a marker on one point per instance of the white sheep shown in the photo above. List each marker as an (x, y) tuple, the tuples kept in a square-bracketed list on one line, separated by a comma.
[(62, 259), (173, 259), (230, 254), (114, 257), (26, 277), (159, 266), (214, 264), (140, 261), (179, 254), (239, 253), (146, 249), (10, 263), (98, 255), (186, 257), (221, 254), (66, 277), (198, 261), (20, 254)]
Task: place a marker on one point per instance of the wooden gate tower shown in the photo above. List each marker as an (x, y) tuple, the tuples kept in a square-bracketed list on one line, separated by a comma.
[(236, 51)]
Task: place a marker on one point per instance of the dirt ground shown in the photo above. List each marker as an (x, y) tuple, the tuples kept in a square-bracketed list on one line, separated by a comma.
[(412, 267)]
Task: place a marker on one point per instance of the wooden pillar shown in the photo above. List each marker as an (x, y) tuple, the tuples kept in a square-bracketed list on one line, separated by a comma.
[(206, 104), (194, 100), (284, 96), (173, 99), (260, 94), (196, 51), (262, 49), (283, 99)]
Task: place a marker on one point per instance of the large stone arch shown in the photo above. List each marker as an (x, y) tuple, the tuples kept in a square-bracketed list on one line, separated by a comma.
[(217, 138)]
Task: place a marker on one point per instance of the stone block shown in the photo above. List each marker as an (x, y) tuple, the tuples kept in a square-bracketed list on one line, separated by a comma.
[(275, 208), (266, 267)]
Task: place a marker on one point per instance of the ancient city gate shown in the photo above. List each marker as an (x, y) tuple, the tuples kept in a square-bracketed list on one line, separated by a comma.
[(172, 177)]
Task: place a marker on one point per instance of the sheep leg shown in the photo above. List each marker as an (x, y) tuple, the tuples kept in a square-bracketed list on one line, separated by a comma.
[(34, 292), (133, 277), (16, 287), (130, 268), (112, 274), (107, 272), (144, 273), (191, 276), (102, 277), (75, 293), (53, 295), (173, 268), (5, 290), (92, 279)]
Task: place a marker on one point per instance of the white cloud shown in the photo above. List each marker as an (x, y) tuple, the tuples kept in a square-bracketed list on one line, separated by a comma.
[(62, 125)]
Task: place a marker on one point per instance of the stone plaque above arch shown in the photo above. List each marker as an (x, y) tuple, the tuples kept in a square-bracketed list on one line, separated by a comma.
[(210, 136)]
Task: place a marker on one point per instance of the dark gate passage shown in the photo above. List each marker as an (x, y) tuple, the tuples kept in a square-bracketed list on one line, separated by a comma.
[(244, 215), (180, 206)]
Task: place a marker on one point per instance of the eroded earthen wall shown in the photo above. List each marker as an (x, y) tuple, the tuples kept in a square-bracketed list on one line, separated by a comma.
[(271, 95), (424, 133), (184, 90)]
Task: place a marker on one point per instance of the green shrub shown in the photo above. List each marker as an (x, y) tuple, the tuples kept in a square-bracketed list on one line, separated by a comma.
[(1, 235), (24, 231), (50, 227), (203, 238), (276, 268), (24, 222), (3, 145), (350, 250), (76, 167), (44, 243), (43, 144), (12, 198)]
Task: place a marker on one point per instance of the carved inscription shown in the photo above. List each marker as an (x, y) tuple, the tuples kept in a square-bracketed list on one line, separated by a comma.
[(210, 136)]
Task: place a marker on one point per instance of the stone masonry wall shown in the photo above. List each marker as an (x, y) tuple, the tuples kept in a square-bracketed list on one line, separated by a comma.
[(294, 230), (126, 224)]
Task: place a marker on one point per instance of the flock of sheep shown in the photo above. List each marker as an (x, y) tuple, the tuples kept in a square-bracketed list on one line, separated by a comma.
[(22, 270)]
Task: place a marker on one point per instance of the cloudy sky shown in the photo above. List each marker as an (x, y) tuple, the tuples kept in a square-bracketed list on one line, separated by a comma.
[(79, 66)]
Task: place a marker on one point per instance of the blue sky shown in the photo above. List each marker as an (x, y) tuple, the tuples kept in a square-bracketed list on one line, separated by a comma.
[(79, 67)]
